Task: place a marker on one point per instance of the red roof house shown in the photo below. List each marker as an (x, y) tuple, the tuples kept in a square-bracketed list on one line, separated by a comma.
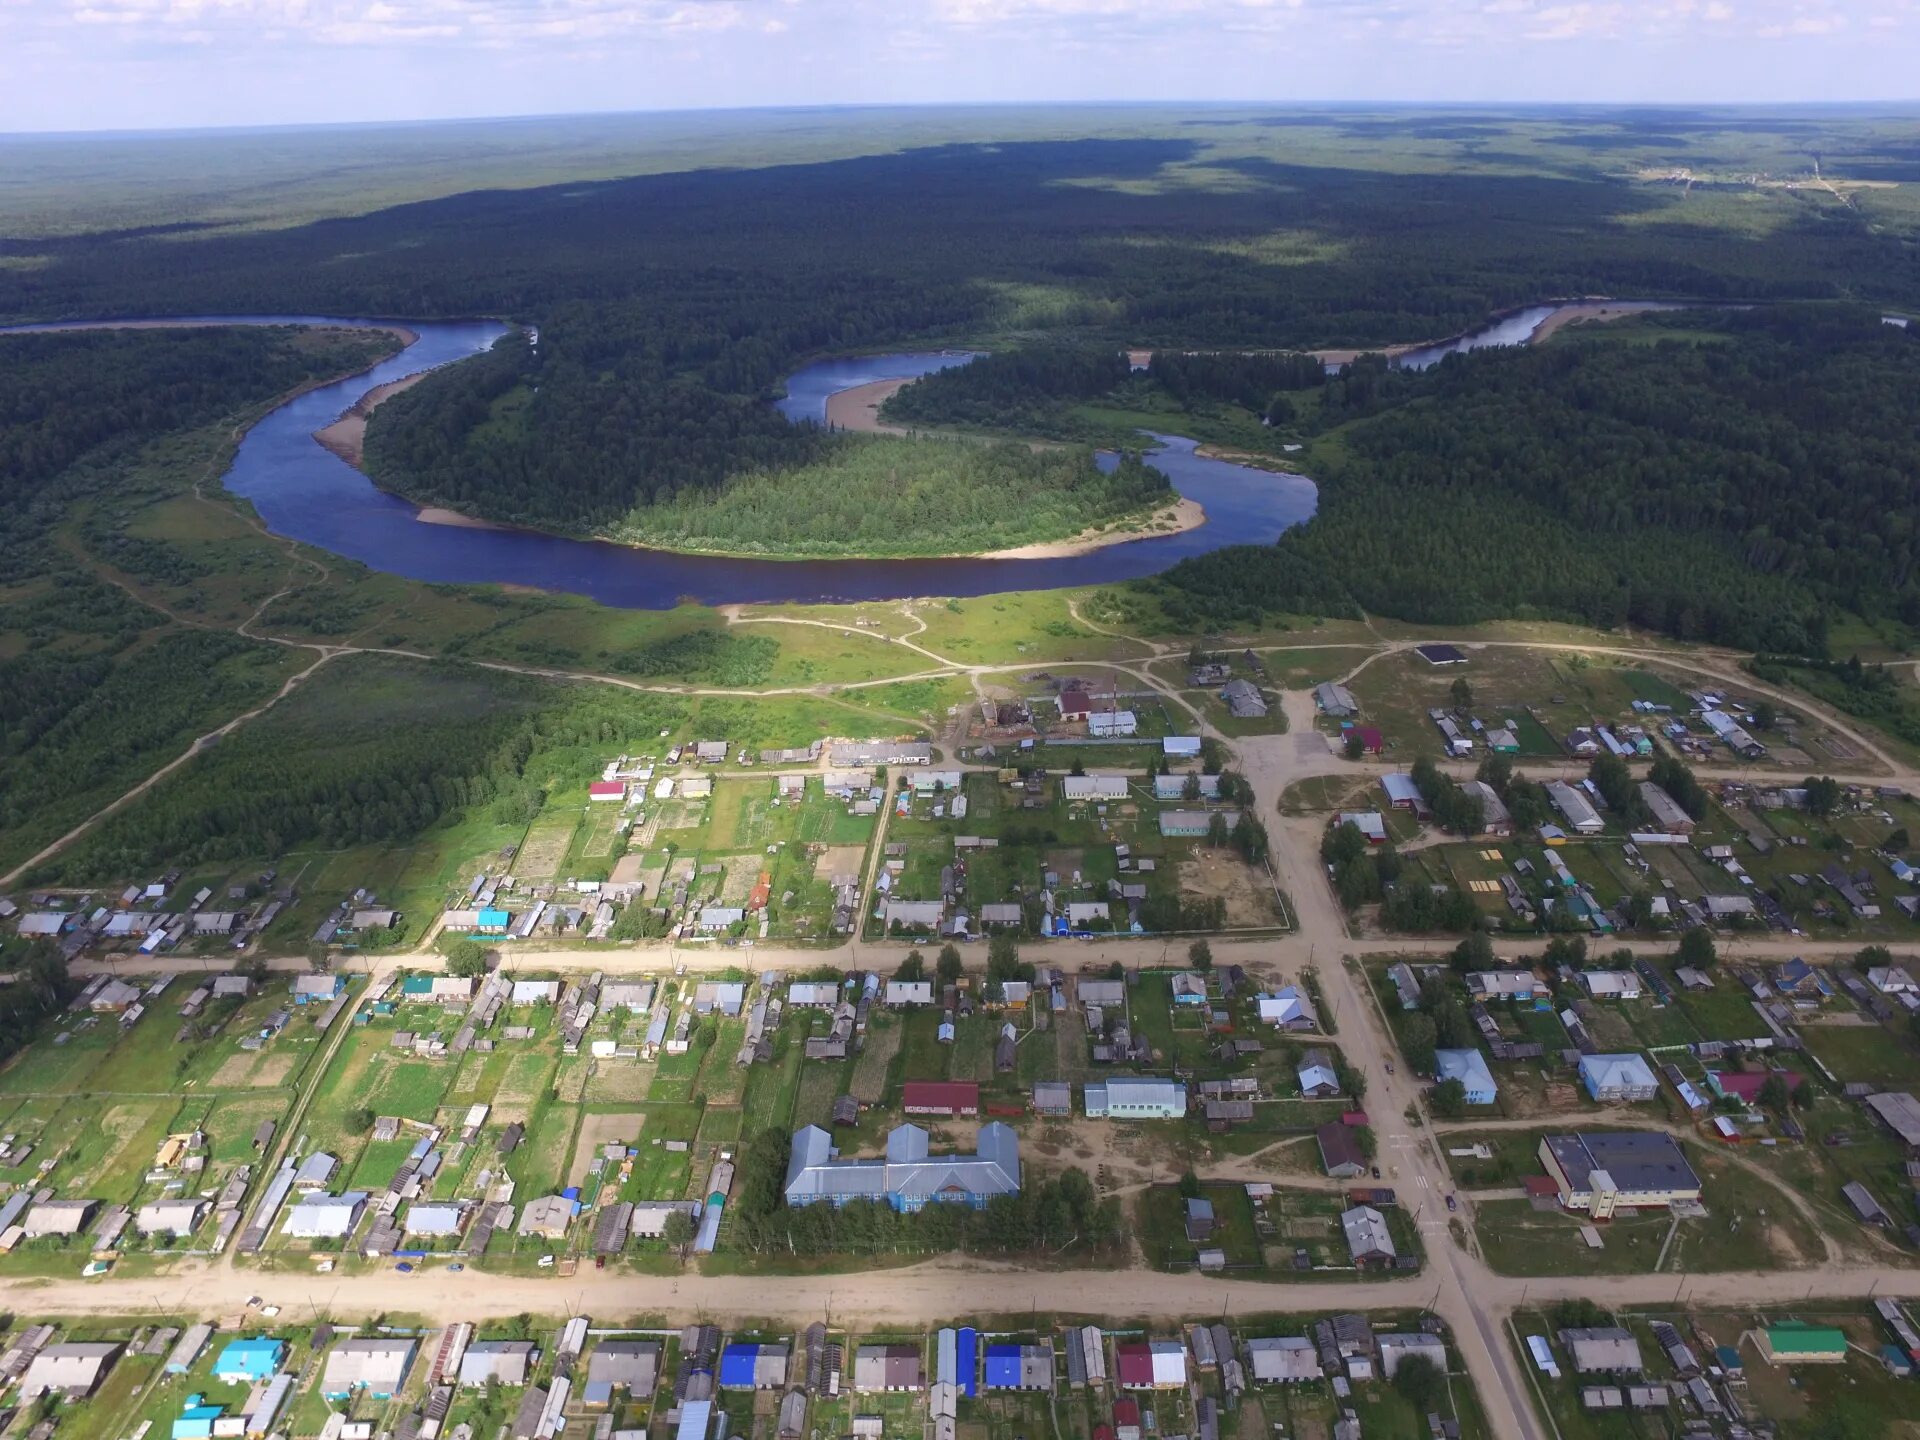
[(1127, 1411), (1075, 703), (1133, 1369), (941, 1097), (1372, 742), (607, 790), (1744, 1085)]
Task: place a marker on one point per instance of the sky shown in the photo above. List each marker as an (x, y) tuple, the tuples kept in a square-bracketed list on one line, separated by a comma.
[(141, 64)]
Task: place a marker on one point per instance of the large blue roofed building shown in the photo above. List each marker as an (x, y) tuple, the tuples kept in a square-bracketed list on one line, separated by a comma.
[(909, 1177)]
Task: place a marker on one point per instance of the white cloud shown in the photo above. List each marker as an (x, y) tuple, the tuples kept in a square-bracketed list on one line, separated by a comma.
[(231, 61)]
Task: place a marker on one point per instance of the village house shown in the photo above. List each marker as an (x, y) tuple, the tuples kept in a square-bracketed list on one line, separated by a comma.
[(1470, 1068), (1618, 1077), (1669, 817), (1341, 1155)]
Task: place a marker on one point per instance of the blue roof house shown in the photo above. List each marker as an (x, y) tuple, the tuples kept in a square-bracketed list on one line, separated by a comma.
[(747, 1365), (196, 1420), (1469, 1067), (1020, 1367), (245, 1362)]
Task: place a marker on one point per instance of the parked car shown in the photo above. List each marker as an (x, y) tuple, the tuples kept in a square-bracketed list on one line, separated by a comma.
[(405, 1267)]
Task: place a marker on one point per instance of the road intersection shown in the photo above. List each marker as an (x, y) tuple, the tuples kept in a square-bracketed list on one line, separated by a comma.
[(1457, 1285)]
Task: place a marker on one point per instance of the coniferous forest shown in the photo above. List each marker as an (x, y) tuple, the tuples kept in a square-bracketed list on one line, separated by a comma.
[(1602, 482), (1732, 481)]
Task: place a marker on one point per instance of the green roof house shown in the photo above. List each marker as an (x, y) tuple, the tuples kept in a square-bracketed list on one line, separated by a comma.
[(1793, 1342)]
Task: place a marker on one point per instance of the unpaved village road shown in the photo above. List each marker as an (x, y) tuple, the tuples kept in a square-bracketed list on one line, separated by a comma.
[(1455, 1284)]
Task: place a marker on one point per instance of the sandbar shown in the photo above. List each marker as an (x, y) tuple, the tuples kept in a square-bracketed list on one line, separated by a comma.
[(1170, 519), (859, 408), (438, 515), (347, 436)]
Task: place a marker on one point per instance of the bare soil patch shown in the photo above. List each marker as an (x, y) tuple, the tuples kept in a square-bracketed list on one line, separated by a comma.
[(838, 860), (1220, 874), (596, 1131)]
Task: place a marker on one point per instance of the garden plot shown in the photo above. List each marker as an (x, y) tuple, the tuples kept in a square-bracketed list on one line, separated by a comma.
[(602, 833), (546, 844)]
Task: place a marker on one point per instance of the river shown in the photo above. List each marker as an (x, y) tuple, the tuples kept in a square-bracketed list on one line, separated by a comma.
[(306, 493)]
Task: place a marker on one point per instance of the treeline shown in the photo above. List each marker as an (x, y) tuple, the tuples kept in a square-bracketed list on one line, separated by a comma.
[(1692, 487), (1016, 390), (1051, 1216), (1195, 378), (1366, 874), (883, 495), (40, 987), (711, 656), (377, 750), (1028, 390), (1872, 692)]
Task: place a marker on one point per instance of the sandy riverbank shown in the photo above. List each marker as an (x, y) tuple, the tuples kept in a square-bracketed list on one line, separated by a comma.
[(1347, 357), (1181, 514), (1584, 312), (436, 515), (347, 436), (859, 408)]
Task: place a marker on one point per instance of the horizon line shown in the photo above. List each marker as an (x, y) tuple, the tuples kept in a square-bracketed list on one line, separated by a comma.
[(1911, 105)]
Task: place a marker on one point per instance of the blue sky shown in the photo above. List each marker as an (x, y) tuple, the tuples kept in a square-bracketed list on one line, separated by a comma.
[(89, 64)]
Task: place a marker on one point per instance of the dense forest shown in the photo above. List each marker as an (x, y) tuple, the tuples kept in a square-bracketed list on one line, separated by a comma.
[(669, 306), (1035, 390), (97, 690), (77, 728), (1729, 483), (383, 750), (1024, 390), (97, 396)]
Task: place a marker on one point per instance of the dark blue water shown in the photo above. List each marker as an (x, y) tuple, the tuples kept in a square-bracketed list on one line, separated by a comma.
[(1518, 327), (308, 494)]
